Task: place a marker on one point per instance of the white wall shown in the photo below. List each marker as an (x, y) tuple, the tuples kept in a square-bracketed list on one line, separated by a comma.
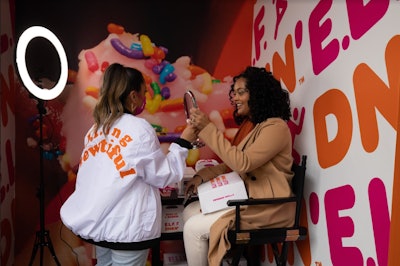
[(341, 62)]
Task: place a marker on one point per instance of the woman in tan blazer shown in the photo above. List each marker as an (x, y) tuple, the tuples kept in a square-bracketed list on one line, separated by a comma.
[(261, 152)]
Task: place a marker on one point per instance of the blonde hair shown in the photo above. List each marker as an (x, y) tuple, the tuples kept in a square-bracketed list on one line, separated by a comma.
[(118, 82)]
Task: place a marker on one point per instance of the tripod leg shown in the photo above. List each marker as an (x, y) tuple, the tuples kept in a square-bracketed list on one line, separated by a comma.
[(35, 247), (42, 240), (51, 248)]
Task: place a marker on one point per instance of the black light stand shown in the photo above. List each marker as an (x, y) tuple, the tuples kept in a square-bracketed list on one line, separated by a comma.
[(42, 236)]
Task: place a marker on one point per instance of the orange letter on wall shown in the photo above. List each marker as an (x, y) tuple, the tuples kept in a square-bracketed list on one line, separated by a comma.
[(372, 93), (283, 71), (331, 152)]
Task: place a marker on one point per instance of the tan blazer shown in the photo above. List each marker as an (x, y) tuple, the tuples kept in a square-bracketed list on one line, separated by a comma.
[(264, 160)]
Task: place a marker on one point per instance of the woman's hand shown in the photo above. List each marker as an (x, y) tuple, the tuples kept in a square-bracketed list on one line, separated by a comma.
[(198, 119), (192, 184), (189, 133)]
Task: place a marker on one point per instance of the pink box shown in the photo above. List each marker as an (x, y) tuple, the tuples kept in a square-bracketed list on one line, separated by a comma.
[(214, 194)]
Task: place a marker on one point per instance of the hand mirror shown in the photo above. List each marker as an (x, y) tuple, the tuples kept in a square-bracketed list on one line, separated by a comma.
[(189, 101)]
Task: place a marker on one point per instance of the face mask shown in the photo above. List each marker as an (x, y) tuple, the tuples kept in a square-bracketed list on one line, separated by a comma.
[(140, 109)]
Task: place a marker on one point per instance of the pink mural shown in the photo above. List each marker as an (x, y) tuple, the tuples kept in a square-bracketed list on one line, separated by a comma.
[(342, 120)]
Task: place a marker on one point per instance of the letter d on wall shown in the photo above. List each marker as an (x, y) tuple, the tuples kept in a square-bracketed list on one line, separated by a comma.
[(332, 150), (25, 38)]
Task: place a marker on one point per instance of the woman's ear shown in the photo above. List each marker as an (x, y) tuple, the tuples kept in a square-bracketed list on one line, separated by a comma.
[(129, 102), (133, 96)]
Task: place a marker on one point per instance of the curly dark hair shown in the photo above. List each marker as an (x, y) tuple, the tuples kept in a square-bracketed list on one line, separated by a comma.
[(267, 97)]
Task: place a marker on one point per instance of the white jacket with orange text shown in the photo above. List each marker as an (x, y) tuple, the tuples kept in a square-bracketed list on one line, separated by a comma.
[(116, 197)]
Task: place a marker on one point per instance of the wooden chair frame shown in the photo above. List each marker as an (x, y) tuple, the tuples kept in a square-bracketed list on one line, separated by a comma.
[(275, 236)]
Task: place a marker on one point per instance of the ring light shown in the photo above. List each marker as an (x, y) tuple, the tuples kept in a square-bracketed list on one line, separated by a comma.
[(26, 37)]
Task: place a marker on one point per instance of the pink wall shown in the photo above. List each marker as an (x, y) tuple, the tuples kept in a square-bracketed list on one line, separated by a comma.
[(7, 133)]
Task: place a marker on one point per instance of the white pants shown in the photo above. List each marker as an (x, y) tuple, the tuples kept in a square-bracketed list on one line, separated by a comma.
[(107, 257), (196, 232)]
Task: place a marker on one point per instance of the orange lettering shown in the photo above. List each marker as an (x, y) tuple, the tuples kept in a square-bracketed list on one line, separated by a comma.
[(93, 150), (116, 132), (287, 71), (128, 172), (372, 94), (124, 141), (332, 102), (119, 162)]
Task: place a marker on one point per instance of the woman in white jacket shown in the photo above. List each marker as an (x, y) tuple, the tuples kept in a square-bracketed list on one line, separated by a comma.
[(116, 203)]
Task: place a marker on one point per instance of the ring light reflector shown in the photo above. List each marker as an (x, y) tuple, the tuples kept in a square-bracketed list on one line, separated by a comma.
[(25, 38)]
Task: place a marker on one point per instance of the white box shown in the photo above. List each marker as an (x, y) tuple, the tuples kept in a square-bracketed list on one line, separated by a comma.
[(214, 194), (172, 220)]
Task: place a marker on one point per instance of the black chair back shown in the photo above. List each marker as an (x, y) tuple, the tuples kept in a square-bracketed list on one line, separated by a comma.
[(298, 185)]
